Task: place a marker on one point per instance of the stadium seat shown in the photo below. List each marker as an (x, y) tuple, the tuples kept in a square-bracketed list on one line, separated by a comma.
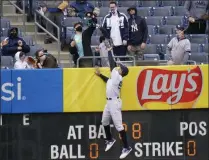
[(33, 50), (152, 49), (7, 62), (4, 32), (163, 48), (144, 11), (99, 20), (198, 38), (201, 57), (151, 57), (205, 48), (163, 11), (104, 11), (152, 29), (102, 3), (169, 3), (123, 10), (148, 3), (70, 21), (125, 3), (157, 20), (158, 39), (166, 29), (5, 23), (174, 20), (171, 36), (28, 40), (95, 40), (196, 47), (2, 38), (179, 11)]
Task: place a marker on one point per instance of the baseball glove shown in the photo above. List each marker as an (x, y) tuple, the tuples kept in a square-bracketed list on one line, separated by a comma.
[(31, 61), (71, 12)]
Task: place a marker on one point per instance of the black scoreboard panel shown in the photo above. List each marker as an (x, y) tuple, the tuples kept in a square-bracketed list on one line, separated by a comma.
[(153, 135)]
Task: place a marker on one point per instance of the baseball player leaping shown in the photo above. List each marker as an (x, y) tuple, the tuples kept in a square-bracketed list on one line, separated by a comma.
[(114, 104)]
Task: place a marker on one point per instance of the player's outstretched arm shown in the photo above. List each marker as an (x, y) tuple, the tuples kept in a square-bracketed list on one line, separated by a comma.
[(111, 60), (98, 73)]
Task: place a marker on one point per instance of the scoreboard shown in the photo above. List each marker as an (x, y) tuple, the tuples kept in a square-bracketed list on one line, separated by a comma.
[(153, 135)]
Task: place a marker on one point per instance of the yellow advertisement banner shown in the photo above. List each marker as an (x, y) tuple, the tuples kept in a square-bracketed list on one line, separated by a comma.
[(145, 88)]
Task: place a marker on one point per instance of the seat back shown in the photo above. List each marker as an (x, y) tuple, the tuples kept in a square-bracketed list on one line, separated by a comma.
[(5, 23), (7, 62), (151, 57)]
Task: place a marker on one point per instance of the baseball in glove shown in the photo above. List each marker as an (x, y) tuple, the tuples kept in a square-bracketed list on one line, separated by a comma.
[(71, 12)]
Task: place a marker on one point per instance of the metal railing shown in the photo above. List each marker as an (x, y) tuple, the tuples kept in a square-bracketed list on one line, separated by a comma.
[(52, 23), (21, 11), (1, 3), (100, 57)]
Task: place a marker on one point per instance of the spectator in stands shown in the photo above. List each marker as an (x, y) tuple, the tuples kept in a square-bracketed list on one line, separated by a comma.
[(28, 8), (138, 33), (81, 7), (42, 9), (55, 14), (197, 11), (81, 42), (21, 61), (116, 25), (14, 44), (179, 48), (45, 60), (103, 52)]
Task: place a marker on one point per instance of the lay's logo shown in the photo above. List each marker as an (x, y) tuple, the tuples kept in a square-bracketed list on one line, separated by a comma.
[(171, 88)]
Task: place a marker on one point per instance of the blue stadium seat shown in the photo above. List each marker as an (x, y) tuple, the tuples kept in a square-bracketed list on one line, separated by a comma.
[(4, 32), (166, 29), (151, 57), (7, 62), (102, 3), (5, 23), (163, 11), (104, 11), (95, 40), (144, 11), (198, 38), (156, 20), (28, 40), (179, 11), (2, 38), (174, 20), (158, 39), (70, 21), (125, 3), (169, 3), (33, 49), (205, 48), (196, 48), (201, 57), (123, 10), (152, 29), (148, 3), (152, 49)]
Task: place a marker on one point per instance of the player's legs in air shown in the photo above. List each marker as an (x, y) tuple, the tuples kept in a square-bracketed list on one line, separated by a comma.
[(114, 107), (106, 117)]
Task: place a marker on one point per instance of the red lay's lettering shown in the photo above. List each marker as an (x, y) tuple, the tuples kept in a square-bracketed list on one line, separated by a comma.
[(170, 86)]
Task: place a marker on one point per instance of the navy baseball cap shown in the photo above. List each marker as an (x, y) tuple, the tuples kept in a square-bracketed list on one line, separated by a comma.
[(180, 27), (124, 69)]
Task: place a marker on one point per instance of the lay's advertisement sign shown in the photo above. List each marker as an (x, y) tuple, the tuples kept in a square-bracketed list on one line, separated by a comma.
[(80, 90), (145, 88)]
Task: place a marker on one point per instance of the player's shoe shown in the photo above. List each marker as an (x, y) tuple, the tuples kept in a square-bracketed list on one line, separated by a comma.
[(125, 152), (109, 144)]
